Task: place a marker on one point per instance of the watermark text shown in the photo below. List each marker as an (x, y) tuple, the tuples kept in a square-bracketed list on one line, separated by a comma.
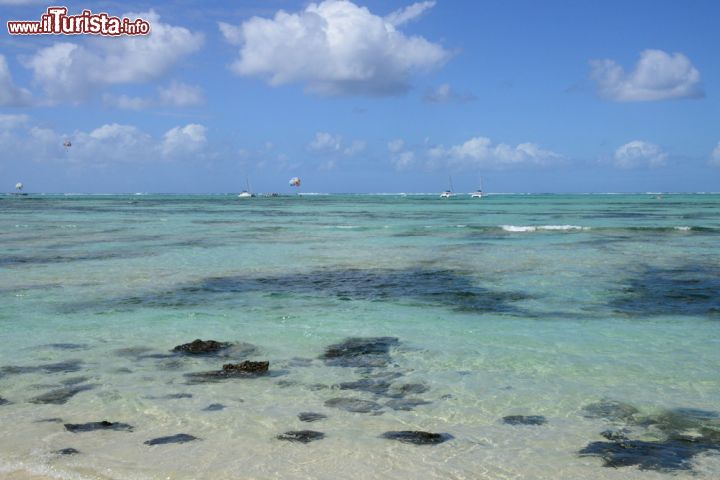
[(56, 21)]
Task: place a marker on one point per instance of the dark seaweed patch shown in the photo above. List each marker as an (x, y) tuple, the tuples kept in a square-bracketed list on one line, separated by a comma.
[(60, 367), (686, 290), (61, 395), (405, 404), (417, 437), (214, 407), (92, 426), (301, 436), (524, 420), (446, 288), (355, 405), (664, 456), (609, 410), (311, 416), (178, 438), (681, 434), (67, 451), (360, 352)]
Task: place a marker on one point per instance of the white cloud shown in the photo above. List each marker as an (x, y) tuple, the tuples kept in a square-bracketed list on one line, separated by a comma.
[(639, 153), (327, 143), (715, 156), (355, 147), (481, 152), (657, 76), (105, 145), (11, 95), (8, 122), (403, 160), (446, 94), (183, 140), (176, 94), (395, 146), (406, 14), (334, 48), (70, 72)]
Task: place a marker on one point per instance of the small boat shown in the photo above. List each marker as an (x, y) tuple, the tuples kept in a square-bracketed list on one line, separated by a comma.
[(479, 192), (449, 192), (246, 193)]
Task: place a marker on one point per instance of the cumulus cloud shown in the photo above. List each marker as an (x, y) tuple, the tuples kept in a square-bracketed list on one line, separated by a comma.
[(639, 153), (183, 140), (395, 146), (327, 143), (107, 144), (176, 94), (70, 72), (446, 94), (481, 152), (334, 48), (11, 95), (8, 121), (406, 14), (715, 156), (657, 76)]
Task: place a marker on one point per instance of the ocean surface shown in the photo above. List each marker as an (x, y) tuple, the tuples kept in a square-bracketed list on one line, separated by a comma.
[(542, 336)]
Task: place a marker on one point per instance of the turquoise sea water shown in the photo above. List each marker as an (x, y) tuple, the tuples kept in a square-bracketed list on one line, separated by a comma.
[(542, 305)]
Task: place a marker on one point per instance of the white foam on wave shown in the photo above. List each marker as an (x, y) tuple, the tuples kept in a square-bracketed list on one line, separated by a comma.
[(683, 228), (533, 228)]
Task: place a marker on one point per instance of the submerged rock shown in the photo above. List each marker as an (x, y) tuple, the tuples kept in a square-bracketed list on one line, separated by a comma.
[(67, 346), (525, 420), (417, 437), (201, 347), (246, 369), (662, 455), (67, 451), (61, 395), (615, 435), (49, 420), (179, 438), (214, 407), (407, 388), (311, 416), (302, 436), (378, 387), (360, 352), (609, 410), (4, 402), (353, 405), (171, 396), (405, 403), (59, 367), (92, 426)]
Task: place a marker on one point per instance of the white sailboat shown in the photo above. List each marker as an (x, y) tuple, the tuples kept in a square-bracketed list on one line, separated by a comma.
[(19, 187), (246, 193), (449, 192), (479, 192)]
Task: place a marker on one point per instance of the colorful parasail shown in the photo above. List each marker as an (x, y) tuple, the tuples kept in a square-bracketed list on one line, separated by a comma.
[(295, 182)]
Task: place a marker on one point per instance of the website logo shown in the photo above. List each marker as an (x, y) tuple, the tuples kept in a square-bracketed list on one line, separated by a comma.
[(56, 21)]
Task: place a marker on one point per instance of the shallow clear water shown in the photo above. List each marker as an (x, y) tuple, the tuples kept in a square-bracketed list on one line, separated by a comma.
[(509, 305)]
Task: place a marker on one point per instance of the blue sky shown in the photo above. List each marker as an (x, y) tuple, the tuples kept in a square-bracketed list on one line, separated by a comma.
[(374, 96)]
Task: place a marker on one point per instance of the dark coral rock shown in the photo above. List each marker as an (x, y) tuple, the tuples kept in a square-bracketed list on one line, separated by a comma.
[(360, 352), (214, 407), (92, 426), (302, 436), (61, 395), (378, 387), (67, 346), (407, 388), (246, 369), (4, 402), (406, 403), (67, 451), (179, 438), (615, 435), (171, 396), (662, 455), (417, 437), (311, 416), (609, 410), (524, 420), (353, 405), (201, 347)]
